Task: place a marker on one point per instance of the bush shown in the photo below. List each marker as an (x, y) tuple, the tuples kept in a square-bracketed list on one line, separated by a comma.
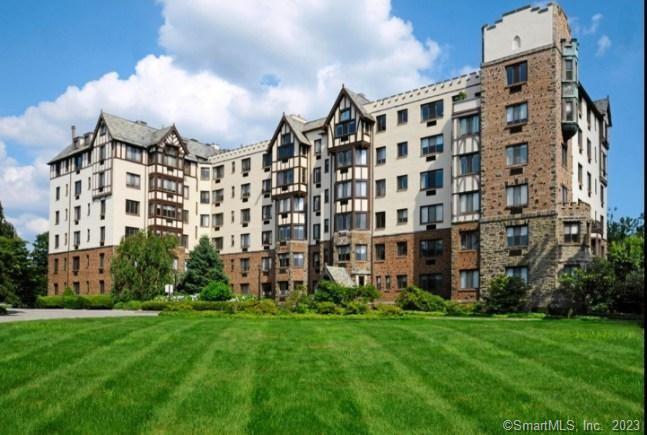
[(216, 291), (367, 293), (329, 291), (68, 291), (388, 310), (589, 290), (506, 294), (356, 307), (298, 301), (74, 302), (98, 302), (154, 305), (416, 299), (327, 307), (458, 309), (264, 306), (128, 305), (209, 305), (3, 310), (49, 302)]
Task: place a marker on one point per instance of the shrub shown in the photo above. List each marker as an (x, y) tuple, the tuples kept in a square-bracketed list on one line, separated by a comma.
[(68, 291), (458, 309), (414, 298), (154, 305), (506, 294), (367, 293), (356, 307), (74, 302), (98, 302), (178, 306), (264, 306), (327, 307), (49, 302), (209, 305), (298, 301), (3, 310), (216, 291), (388, 310), (329, 291), (128, 305), (587, 290)]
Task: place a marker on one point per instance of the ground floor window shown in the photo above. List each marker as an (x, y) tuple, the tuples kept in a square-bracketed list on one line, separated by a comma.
[(518, 271), (469, 279)]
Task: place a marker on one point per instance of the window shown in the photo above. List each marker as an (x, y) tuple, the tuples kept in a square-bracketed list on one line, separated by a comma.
[(245, 190), (103, 209), (433, 110), (380, 220), (284, 177), (77, 188), (469, 164), (469, 125), (403, 149), (571, 232), (233, 167), (218, 172), (517, 235), (403, 116), (569, 69), (266, 264), (564, 155), (266, 185), (517, 73), (564, 193), (57, 216), (361, 252), (204, 197), (233, 191), (380, 155), (316, 203), (361, 220), (342, 221), (346, 125), (469, 279), (56, 240), (469, 240), (204, 173), (401, 249), (518, 271), (132, 207), (402, 282), (326, 225), (431, 282), (380, 252), (298, 232), (588, 149), (133, 153), (204, 220), (218, 195), (218, 219), (380, 188), (77, 238), (245, 216), (361, 156), (517, 113), (326, 166), (431, 248), (316, 231), (285, 151), (344, 159), (402, 182), (58, 193), (378, 282), (131, 231), (284, 260), (468, 202), (244, 241), (387, 280), (588, 183), (381, 122), (317, 147), (431, 144), (431, 214), (344, 189), (343, 253), (246, 165), (316, 175), (403, 216), (326, 196), (133, 180), (77, 213), (517, 196), (297, 259), (431, 179)]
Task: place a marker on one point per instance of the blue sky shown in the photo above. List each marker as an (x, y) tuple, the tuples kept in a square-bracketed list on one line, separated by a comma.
[(202, 66)]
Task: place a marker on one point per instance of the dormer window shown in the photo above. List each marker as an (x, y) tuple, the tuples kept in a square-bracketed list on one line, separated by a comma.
[(346, 125), (286, 139), (344, 115), (102, 130)]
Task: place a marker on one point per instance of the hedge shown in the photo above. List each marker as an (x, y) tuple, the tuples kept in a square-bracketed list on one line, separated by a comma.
[(90, 302)]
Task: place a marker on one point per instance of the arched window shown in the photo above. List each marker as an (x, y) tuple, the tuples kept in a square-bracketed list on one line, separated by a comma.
[(516, 43)]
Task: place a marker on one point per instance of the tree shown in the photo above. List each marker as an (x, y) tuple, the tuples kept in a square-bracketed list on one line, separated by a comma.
[(39, 262), (202, 267), (6, 229), (589, 290), (16, 272), (624, 227), (506, 294), (216, 291), (142, 265)]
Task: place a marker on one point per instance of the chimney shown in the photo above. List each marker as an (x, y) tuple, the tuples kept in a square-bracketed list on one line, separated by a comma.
[(73, 132)]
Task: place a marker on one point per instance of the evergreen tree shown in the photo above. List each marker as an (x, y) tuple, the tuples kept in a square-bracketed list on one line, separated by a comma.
[(16, 271), (142, 265), (39, 262), (203, 266)]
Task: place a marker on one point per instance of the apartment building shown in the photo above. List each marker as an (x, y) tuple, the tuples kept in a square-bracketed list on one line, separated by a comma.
[(503, 170)]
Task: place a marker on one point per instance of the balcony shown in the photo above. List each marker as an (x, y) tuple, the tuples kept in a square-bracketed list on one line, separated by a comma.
[(597, 228)]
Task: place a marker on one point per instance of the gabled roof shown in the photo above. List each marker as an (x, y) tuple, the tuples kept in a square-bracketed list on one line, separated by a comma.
[(68, 151), (338, 275), (295, 124), (134, 133), (358, 100), (604, 107)]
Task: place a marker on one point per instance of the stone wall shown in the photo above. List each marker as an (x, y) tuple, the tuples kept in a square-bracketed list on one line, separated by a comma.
[(463, 260)]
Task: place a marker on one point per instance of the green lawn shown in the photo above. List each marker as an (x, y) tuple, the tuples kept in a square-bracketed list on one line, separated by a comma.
[(179, 375)]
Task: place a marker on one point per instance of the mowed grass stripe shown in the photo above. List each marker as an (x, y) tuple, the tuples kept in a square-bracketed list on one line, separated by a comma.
[(86, 383), (32, 369), (59, 385), (545, 362), (122, 399), (397, 397), (297, 385), (450, 374), (217, 394)]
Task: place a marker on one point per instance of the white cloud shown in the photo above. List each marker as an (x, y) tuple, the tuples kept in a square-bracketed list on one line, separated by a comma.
[(229, 71), (29, 225), (591, 29), (604, 43)]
